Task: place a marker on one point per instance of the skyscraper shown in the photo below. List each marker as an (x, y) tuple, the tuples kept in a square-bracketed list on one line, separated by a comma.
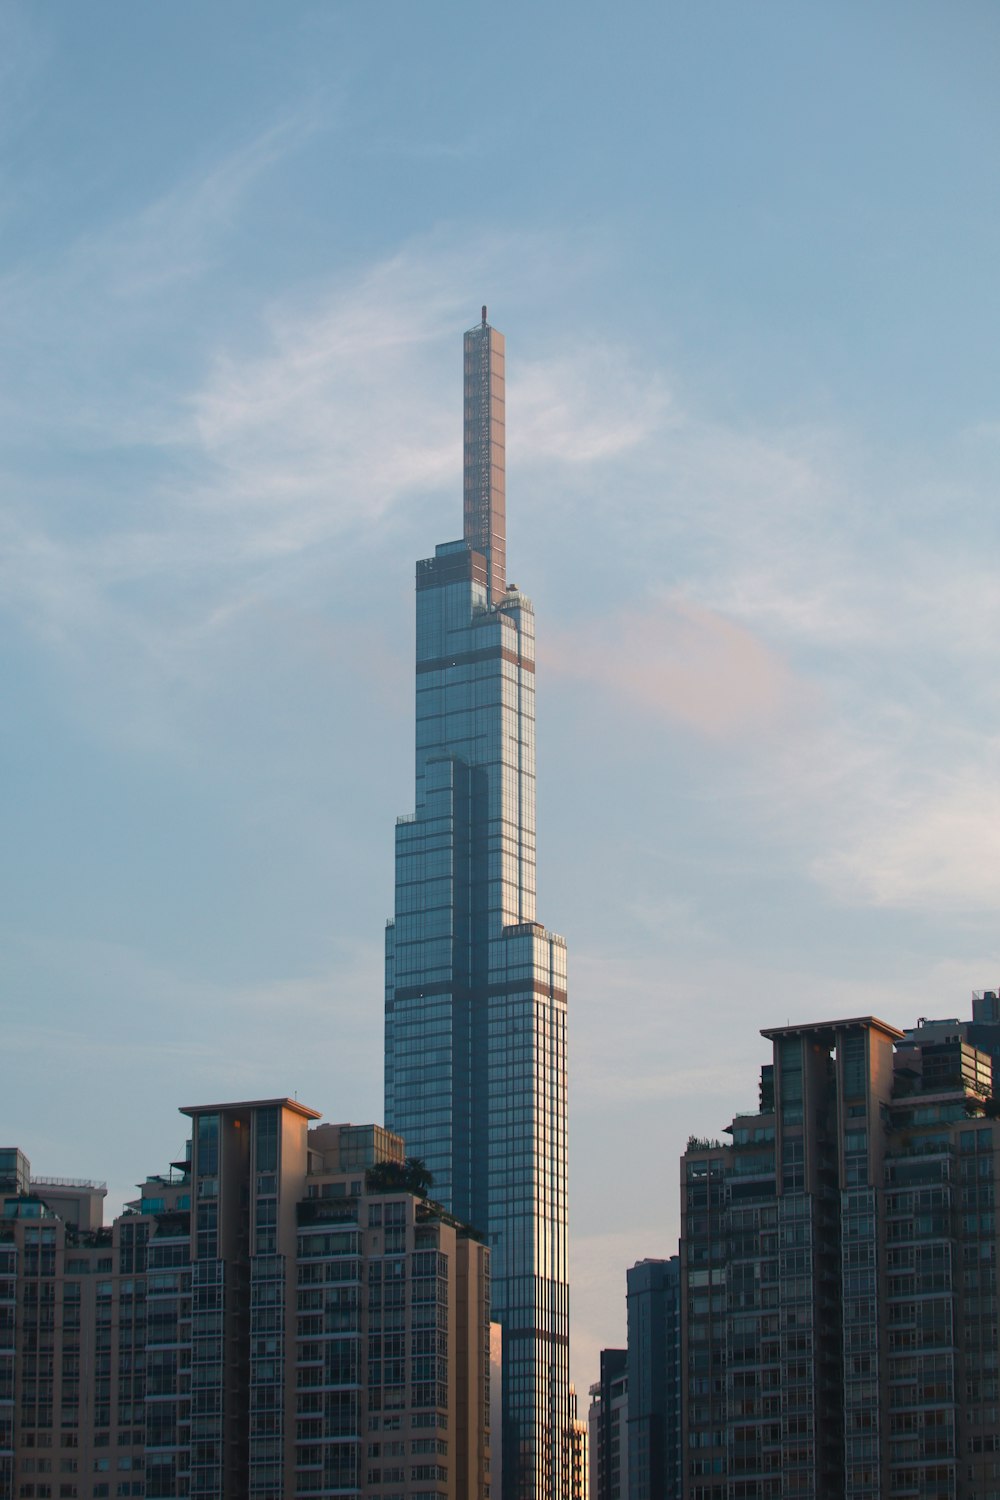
[(475, 1037)]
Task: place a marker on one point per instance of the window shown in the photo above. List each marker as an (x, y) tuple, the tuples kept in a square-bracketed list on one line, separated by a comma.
[(853, 1058), (266, 1130), (208, 1146)]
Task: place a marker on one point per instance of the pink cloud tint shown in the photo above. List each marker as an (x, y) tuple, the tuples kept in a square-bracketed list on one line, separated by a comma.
[(678, 660)]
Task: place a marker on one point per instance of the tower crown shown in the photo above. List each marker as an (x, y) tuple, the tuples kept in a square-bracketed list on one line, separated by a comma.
[(484, 468)]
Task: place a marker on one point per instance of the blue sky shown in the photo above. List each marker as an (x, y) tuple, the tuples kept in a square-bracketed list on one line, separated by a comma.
[(745, 259)]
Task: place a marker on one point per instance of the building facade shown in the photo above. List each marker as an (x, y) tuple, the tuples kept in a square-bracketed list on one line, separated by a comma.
[(607, 1423), (278, 1316), (72, 1342), (839, 1262), (475, 1010), (654, 1380), (576, 1453)]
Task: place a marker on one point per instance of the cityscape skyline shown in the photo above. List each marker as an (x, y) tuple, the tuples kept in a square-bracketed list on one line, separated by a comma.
[(746, 260)]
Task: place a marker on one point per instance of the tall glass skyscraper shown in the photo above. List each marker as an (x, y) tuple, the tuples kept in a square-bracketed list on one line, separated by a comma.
[(475, 1012)]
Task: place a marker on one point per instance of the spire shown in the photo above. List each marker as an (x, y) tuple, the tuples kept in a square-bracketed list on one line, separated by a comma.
[(485, 507)]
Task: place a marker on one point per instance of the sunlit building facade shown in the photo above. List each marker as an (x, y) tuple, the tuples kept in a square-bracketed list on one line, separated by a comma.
[(576, 1453), (278, 1316), (475, 1015)]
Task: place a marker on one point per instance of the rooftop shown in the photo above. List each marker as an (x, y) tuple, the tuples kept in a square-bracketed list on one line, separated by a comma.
[(86, 1183), (852, 1023), (247, 1104)]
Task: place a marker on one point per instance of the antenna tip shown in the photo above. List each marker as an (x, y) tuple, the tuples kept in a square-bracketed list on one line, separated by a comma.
[(484, 314)]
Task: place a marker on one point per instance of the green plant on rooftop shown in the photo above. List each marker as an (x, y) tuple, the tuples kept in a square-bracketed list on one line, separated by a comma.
[(411, 1176)]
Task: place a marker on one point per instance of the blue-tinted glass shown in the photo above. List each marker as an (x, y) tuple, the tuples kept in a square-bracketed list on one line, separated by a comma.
[(475, 992)]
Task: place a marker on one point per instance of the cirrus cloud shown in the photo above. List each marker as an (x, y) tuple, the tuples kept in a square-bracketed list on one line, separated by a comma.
[(679, 660)]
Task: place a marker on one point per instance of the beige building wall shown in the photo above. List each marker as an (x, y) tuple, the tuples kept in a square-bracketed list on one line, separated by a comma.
[(72, 1336), (333, 1294), (413, 1443)]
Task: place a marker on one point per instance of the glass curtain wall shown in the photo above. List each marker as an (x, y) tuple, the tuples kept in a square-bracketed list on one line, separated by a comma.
[(475, 1074)]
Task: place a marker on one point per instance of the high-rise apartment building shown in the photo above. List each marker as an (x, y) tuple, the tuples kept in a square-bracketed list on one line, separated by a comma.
[(839, 1274), (654, 1380), (279, 1316), (607, 1422), (72, 1341), (475, 1013)]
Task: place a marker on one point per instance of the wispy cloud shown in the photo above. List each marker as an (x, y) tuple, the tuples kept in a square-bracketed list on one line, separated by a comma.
[(329, 423), (679, 661), (843, 659), (322, 427), (180, 235), (936, 849), (350, 408), (750, 590), (592, 403), (87, 327)]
